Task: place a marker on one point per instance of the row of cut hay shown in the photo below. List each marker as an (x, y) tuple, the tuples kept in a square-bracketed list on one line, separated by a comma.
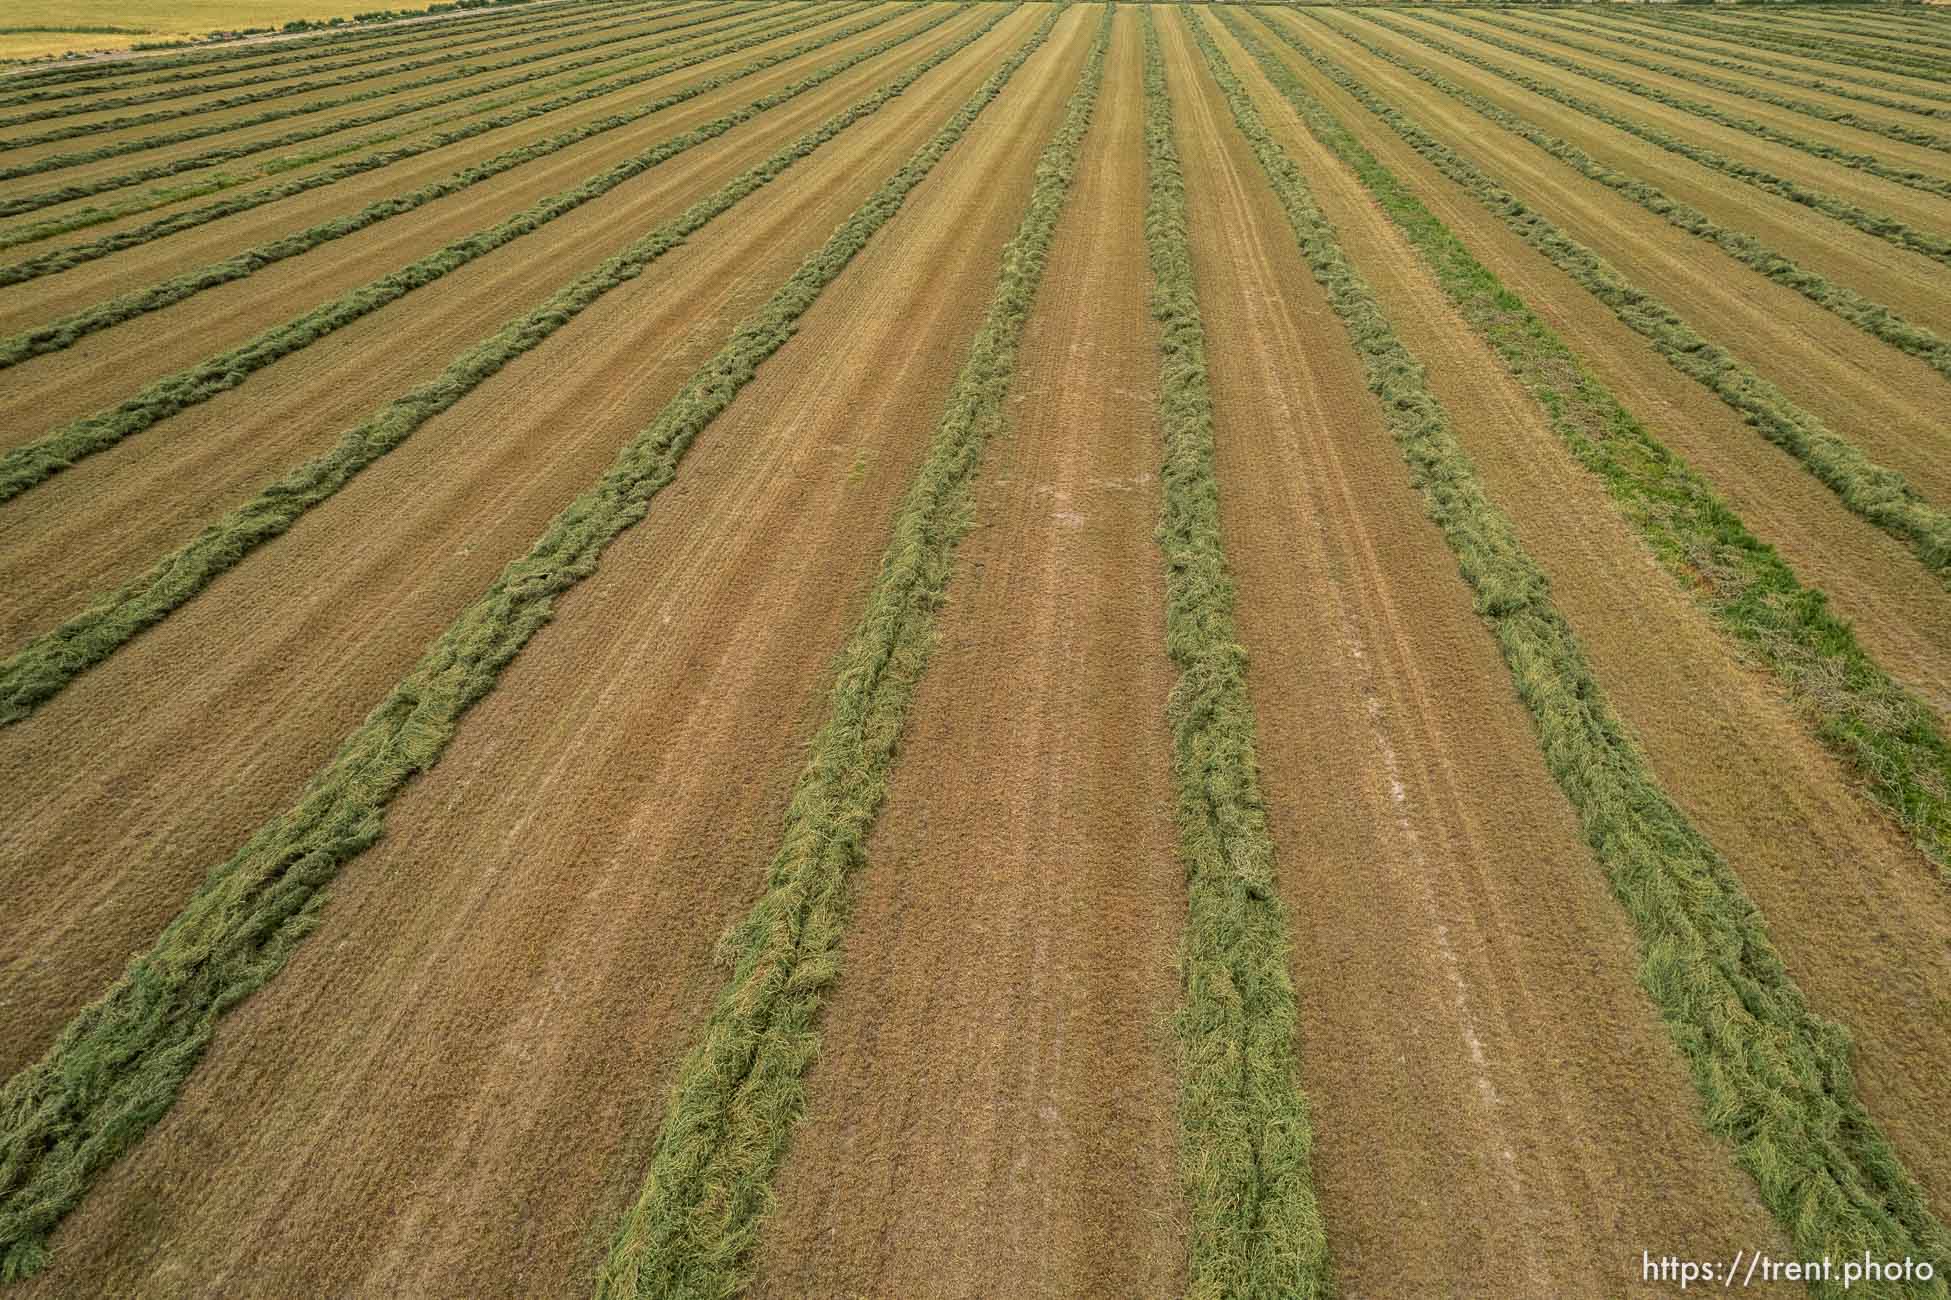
[(1876, 224), (46, 665), (119, 1064), (314, 131), (1879, 494), (1245, 1137), (528, 34), (1891, 741), (1814, 48), (1873, 318), (65, 332), (1773, 1076), (1807, 108), (739, 1092), (1593, 22), (554, 93)]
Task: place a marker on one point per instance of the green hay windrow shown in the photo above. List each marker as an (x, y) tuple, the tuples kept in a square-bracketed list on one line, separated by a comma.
[(1815, 49), (24, 203), (48, 663), (1889, 739), (1873, 318), (739, 1092), (70, 329), (1879, 494), (119, 1064), (1244, 1133), (478, 120), (1903, 132), (1773, 1076), (531, 32)]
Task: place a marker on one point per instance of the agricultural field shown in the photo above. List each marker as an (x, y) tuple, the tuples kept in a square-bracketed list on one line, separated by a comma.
[(685, 648)]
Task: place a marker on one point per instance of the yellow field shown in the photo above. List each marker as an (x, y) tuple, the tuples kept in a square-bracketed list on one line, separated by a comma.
[(171, 20)]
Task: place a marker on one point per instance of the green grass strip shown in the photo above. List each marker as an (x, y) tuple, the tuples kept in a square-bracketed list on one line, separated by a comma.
[(118, 1065), (1909, 177), (1774, 1077), (45, 665), (739, 1092), (65, 332), (652, 68), (1244, 1134), (1876, 224), (1560, 29), (1879, 494), (1873, 318), (1901, 131), (55, 162), (31, 463), (1889, 739), (294, 86), (1593, 23)]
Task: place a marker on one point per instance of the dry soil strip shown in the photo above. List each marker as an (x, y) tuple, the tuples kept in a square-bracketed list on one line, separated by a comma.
[(740, 1091), (1010, 961), (1877, 493), (120, 1064), (1775, 1078)]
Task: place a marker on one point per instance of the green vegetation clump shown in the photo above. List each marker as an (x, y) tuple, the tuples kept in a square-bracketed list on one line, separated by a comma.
[(118, 1065), (1244, 1134), (1773, 1076), (739, 1093)]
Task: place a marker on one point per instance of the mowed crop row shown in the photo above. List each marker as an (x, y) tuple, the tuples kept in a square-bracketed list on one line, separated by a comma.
[(829, 648)]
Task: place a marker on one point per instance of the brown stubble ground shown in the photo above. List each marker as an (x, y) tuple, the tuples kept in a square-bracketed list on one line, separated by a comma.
[(1865, 390), (993, 1112), (1902, 617), (453, 1087), (77, 534), (45, 392), (1908, 283), (119, 793), (1859, 915), (250, 306), (1497, 1108)]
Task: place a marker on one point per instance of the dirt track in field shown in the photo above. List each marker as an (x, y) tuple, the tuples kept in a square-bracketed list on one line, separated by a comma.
[(1902, 618), (1010, 971), (452, 1088), (1907, 283), (1722, 741), (1865, 390), (1472, 1034), (76, 534), (106, 839), (97, 372)]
